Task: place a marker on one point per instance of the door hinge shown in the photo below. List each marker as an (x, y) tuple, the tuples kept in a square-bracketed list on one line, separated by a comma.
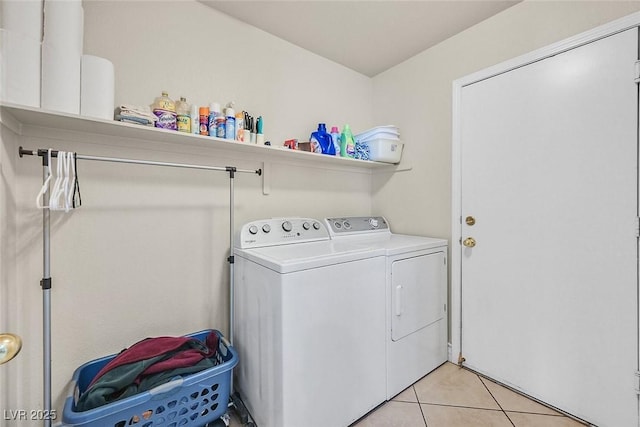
[(638, 226), (637, 381), (637, 72)]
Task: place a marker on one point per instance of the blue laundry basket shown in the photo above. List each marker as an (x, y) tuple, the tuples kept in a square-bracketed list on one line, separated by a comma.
[(193, 400)]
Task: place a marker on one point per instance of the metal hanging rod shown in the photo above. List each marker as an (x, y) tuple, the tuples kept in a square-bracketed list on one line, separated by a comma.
[(46, 282), (54, 153)]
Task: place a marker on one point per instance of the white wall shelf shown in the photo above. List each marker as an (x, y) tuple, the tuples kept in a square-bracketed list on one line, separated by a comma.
[(18, 117)]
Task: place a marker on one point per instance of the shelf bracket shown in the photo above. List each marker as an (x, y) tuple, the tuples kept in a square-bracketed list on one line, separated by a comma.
[(266, 178)]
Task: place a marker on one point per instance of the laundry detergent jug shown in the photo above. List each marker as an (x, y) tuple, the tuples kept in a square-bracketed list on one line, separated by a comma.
[(321, 141)]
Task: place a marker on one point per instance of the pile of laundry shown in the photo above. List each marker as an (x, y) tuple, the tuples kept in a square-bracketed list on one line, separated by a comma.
[(147, 364), (140, 115), (362, 151)]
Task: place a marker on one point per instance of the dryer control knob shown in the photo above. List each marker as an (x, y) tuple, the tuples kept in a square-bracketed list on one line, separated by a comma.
[(316, 226), (286, 226), (373, 223), (266, 228), (306, 225), (253, 229), (347, 225)]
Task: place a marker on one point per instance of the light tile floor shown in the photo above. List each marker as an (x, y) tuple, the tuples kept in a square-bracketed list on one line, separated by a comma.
[(451, 396)]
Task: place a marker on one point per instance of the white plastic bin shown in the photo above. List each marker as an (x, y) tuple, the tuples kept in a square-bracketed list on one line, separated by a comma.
[(385, 150)]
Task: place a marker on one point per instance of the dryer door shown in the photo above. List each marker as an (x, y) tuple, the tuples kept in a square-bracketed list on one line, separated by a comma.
[(418, 293)]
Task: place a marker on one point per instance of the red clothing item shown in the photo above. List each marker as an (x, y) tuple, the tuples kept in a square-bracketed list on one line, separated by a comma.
[(153, 347)]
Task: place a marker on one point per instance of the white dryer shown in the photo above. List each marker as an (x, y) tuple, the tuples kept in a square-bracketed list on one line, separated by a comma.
[(416, 293), (309, 324)]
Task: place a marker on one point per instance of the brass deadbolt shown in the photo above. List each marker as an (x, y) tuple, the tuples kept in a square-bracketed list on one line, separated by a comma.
[(469, 242), (470, 220)]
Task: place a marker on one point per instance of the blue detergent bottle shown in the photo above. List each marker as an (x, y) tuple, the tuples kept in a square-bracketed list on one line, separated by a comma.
[(324, 140)]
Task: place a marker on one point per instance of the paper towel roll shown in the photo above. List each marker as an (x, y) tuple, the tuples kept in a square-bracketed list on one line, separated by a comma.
[(60, 80), (97, 87), (19, 69), (22, 16), (64, 24)]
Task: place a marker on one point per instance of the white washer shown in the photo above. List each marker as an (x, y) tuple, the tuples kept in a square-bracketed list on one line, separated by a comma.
[(416, 292), (309, 325)]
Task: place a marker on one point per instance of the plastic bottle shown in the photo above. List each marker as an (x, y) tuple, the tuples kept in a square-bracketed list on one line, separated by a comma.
[(220, 125), (195, 119), (165, 109), (347, 143), (260, 131), (335, 138), (240, 126), (214, 112), (321, 141), (230, 124), (183, 120), (204, 120)]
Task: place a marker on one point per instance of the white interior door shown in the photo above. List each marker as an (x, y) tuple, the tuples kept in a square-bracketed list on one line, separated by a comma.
[(549, 173)]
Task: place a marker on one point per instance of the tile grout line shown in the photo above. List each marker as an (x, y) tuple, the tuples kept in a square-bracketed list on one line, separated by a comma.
[(560, 413), (478, 408), (494, 398), (424, 418)]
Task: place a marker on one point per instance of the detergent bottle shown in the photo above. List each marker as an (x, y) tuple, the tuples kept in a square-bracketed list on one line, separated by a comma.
[(165, 109), (335, 138), (183, 118), (321, 141), (347, 143)]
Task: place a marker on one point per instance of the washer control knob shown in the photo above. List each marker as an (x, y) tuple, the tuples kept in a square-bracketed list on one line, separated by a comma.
[(306, 225), (347, 225), (316, 226), (286, 226), (266, 228), (337, 224), (253, 229), (373, 222)]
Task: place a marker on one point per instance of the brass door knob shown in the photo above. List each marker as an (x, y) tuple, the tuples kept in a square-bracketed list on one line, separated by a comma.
[(470, 220), (10, 346), (469, 242)]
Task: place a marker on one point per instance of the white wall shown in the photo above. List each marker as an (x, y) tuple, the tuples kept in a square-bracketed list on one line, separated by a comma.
[(146, 253), (416, 96), (189, 49), (8, 283)]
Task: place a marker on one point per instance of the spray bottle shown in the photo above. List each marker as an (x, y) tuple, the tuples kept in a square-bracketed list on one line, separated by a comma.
[(214, 112), (230, 124), (195, 119)]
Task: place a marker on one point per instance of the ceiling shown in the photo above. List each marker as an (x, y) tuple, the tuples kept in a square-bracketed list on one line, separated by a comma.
[(366, 36)]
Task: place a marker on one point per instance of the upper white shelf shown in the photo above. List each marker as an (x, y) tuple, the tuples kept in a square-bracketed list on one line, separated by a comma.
[(27, 116)]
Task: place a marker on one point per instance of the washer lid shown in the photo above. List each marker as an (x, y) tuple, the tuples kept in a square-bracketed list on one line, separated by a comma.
[(394, 244), (304, 256)]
